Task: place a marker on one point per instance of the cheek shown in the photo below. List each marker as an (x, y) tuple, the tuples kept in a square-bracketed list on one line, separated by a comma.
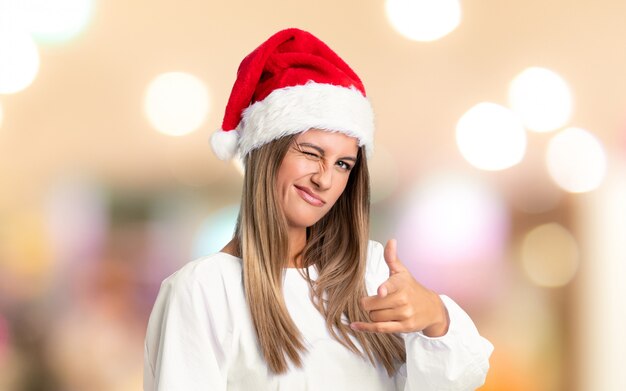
[(294, 169), (288, 173), (341, 187)]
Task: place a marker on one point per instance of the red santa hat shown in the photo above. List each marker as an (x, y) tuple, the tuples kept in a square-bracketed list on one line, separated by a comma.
[(291, 83)]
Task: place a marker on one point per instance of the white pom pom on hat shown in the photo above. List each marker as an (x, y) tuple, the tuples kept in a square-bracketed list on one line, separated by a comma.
[(224, 144)]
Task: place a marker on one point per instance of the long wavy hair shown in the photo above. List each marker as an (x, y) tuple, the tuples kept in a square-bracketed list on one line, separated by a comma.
[(336, 245)]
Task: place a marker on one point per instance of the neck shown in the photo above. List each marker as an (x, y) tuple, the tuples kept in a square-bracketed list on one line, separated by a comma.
[(297, 240)]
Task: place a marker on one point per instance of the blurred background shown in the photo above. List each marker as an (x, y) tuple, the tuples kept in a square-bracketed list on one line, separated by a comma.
[(500, 167)]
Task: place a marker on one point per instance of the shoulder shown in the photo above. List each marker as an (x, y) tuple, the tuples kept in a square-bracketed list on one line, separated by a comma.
[(206, 274), (206, 289)]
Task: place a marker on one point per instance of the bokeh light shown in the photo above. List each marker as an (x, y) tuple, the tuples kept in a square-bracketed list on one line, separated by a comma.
[(491, 137), (576, 160), (216, 231), (549, 255), (506, 372), (542, 99), (57, 20), (383, 168), (423, 20), (19, 62), (452, 231), (27, 256), (452, 218), (176, 103), (76, 218)]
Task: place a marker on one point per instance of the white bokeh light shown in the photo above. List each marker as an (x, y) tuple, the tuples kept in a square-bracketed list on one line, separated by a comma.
[(176, 103), (19, 59), (452, 233), (453, 218), (541, 98), (576, 160), (550, 255), (491, 137), (424, 20), (56, 20)]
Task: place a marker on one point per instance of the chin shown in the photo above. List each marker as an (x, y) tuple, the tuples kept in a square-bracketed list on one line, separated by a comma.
[(305, 221)]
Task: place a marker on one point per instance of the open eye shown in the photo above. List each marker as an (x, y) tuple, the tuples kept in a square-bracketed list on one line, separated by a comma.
[(346, 166)]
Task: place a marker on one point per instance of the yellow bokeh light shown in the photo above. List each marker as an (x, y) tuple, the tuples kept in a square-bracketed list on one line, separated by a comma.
[(491, 137), (19, 62), (550, 255), (58, 20), (576, 160), (176, 103), (541, 98), (26, 252), (423, 20)]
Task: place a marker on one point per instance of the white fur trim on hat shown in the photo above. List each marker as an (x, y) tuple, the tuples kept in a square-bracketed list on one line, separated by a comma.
[(299, 108)]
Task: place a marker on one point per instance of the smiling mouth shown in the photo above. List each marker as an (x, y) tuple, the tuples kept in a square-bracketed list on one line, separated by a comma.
[(308, 198)]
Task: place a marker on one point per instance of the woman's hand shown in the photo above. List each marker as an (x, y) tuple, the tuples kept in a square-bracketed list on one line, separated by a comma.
[(402, 304)]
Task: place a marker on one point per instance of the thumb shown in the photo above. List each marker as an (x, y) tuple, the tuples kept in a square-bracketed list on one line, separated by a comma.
[(391, 257)]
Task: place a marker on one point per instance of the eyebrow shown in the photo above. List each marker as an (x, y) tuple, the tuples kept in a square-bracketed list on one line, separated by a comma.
[(322, 152)]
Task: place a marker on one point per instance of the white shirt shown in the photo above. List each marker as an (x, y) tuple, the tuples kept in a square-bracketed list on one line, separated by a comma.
[(200, 336)]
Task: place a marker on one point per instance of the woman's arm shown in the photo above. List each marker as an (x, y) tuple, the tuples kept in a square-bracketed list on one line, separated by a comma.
[(457, 360)]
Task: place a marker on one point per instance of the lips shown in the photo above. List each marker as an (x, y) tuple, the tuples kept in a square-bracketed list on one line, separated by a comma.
[(309, 197)]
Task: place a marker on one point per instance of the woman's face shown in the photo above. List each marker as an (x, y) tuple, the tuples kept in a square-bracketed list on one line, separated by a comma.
[(319, 162)]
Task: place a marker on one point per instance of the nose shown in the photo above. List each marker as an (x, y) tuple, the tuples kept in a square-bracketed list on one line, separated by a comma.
[(322, 177)]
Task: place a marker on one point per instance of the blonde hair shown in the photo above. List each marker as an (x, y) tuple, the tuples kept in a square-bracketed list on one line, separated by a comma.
[(336, 245)]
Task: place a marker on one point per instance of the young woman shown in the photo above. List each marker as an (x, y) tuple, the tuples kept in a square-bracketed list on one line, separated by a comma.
[(300, 299)]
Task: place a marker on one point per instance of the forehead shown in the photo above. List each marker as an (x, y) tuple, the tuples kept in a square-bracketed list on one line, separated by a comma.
[(331, 141)]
